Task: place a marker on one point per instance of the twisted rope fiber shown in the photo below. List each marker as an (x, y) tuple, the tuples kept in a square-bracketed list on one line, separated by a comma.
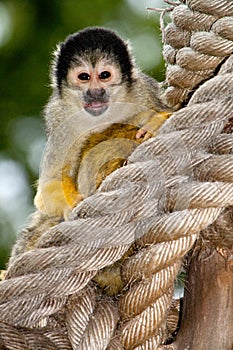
[(184, 182)]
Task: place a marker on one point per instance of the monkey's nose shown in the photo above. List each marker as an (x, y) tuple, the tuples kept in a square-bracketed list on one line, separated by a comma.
[(96, 94)]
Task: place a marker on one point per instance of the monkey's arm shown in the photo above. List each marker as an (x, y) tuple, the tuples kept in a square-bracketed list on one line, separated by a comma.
[(151, 127)]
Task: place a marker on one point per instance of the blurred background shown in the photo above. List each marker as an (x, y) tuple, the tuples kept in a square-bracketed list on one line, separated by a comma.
[(29, 32)]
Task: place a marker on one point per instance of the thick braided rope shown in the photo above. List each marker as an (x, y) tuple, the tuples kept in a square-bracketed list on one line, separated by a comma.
[(196, 42), (174, 186)]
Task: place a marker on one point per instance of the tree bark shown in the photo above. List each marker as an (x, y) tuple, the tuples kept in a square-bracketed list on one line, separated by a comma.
[(207, 316)]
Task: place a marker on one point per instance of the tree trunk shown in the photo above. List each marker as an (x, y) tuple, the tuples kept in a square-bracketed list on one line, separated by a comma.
[(207, 317)]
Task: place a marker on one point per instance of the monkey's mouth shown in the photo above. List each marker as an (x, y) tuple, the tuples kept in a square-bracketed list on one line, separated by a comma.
[(96, 108)]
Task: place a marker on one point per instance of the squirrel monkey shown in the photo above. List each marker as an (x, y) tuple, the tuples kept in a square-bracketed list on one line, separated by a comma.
[(101, 108)]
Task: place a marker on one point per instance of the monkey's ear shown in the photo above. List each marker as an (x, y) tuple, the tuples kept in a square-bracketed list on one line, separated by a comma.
[(129, 46), (53, 68), (57, 51), (136, 70)]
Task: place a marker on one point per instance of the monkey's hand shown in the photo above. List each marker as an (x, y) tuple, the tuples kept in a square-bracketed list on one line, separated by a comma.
[(57, 198), (151, 127)]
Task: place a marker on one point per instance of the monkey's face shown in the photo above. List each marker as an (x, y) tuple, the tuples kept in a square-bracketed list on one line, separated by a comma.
[(98, 84)]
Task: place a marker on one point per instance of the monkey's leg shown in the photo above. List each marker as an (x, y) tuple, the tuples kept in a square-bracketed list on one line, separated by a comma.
[(151, 127), (37, 224)]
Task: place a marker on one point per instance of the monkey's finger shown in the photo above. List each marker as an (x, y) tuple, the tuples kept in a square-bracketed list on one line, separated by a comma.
[(148, 135), (145, 134), (140, 133)]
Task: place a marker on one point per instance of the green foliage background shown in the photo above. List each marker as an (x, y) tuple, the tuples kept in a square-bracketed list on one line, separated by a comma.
[(29, 32)]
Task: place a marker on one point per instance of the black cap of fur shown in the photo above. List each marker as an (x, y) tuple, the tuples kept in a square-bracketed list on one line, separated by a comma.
[(91, 40)]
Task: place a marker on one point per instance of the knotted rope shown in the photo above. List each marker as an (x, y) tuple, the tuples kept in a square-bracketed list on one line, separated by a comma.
[(145, 216)]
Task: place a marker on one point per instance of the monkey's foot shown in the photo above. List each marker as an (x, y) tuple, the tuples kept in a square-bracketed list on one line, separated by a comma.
[(150, 128), (57, 198)]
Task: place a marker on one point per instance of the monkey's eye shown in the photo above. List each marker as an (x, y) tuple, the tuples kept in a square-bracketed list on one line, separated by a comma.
[(104, 75), (84, 76)]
